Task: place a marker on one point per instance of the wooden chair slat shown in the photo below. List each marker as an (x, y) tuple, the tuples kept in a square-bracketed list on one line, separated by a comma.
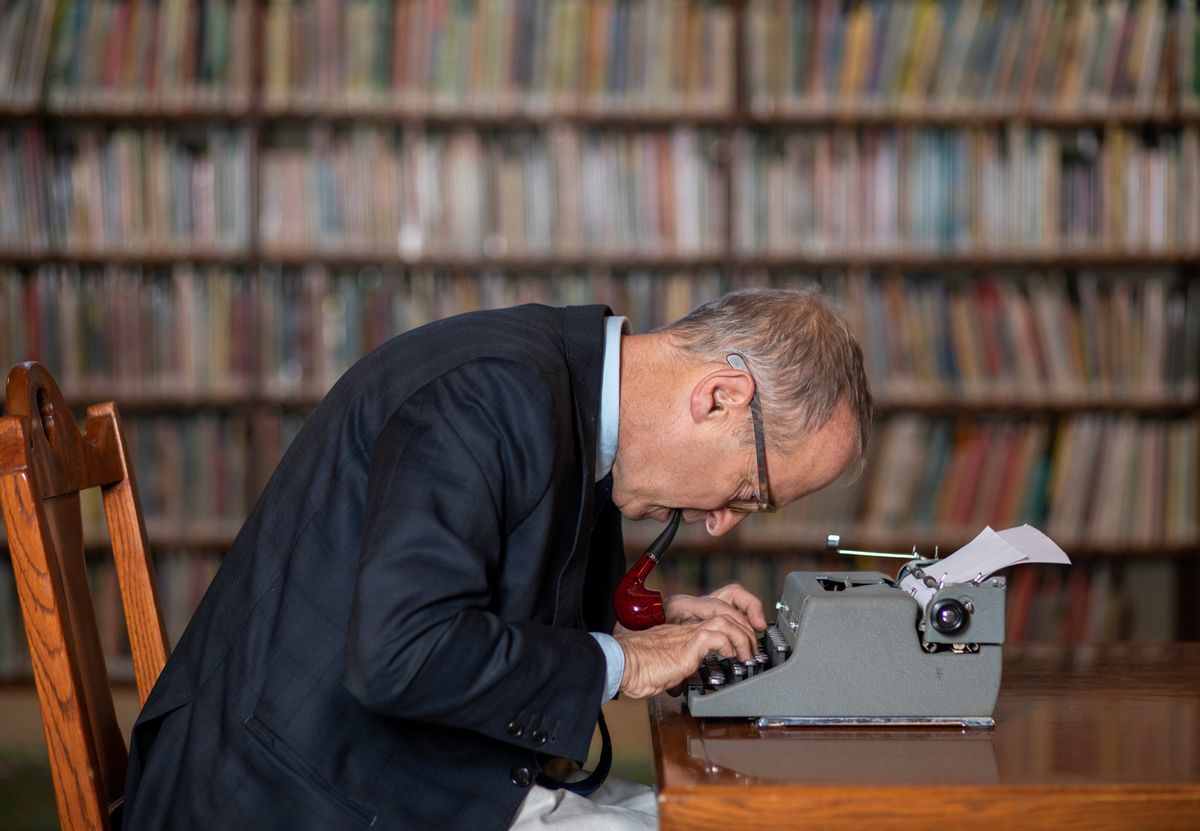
[(135, 571), (75, 764), (45, 461)]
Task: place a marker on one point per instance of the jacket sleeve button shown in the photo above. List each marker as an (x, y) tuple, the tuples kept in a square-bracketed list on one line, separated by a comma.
[(521, 776), (538, 737), (516, 729)]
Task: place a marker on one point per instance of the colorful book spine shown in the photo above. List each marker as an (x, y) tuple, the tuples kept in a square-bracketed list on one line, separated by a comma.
[(969, 57), (188, 333), (1101, 482), (125, 190), (854, 191), (1027, 338), (506, 57), (25, 31), (417, 193), (166, 55)]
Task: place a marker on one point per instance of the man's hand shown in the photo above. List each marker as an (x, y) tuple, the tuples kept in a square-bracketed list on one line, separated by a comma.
[(664, 656), (732, 599)]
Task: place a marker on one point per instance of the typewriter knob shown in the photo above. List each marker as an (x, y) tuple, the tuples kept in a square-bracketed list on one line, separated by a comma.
[(948, 616)]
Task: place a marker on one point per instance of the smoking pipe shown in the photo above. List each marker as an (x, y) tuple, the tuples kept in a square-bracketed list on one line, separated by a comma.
[(636, 606)]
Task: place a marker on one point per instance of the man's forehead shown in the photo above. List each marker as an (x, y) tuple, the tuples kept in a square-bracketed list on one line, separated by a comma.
[(817, 459)]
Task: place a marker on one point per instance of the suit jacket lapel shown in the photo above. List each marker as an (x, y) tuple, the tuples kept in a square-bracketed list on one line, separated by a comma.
[(583, 336)]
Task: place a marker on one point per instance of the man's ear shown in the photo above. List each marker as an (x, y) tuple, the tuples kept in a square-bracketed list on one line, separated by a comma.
[(719, 393)]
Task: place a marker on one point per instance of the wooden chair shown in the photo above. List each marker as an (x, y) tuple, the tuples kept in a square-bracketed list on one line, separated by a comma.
[(44, 463)]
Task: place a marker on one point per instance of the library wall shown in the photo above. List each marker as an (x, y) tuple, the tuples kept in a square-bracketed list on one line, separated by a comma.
[(211, 208)]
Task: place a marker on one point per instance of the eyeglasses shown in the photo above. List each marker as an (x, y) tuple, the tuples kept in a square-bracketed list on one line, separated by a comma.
[(761, 503)]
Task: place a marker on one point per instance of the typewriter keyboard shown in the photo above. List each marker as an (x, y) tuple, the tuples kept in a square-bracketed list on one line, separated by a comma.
[(717, 672)]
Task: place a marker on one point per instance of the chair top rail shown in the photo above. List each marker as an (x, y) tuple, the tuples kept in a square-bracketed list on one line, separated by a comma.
[(67, 460)]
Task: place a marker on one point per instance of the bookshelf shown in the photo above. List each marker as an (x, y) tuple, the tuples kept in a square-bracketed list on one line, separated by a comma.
[(213, 207)]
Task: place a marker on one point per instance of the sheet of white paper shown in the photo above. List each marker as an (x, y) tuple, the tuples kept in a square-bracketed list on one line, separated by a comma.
[(983, 556), (993, 550), (1036, 546), (986, 553)]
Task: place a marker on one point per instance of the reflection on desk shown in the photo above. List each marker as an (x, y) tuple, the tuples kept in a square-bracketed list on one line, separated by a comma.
[(1093, 736), (834, 756)]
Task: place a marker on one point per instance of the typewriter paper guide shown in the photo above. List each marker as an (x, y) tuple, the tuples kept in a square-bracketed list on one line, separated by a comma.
[(861, 647), (983, 556)]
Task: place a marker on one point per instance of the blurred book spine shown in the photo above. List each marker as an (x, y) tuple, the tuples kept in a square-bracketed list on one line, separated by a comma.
[(413, 193), (1004, 58), (25, 33), (160, 55), (92, 192), (502, 57), (192, 333), (852, 191)]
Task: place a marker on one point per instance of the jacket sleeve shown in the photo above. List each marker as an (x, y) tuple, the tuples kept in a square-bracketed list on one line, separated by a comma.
[(453, 474)]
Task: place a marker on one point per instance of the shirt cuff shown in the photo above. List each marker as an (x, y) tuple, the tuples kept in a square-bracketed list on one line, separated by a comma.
[(614, 658)]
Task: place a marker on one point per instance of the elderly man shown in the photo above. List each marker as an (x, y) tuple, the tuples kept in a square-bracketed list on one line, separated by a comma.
[(417, 616)]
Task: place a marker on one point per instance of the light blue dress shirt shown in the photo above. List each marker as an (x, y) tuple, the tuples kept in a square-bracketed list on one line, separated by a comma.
[(606, 452)]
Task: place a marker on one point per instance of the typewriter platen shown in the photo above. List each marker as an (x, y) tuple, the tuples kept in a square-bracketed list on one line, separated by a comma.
[(857, 648)]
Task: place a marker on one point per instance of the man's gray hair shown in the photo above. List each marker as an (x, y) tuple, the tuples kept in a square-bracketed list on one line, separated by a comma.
[(800, 350)]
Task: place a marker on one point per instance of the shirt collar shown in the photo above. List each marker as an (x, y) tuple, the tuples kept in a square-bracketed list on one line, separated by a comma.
[(610, 395)]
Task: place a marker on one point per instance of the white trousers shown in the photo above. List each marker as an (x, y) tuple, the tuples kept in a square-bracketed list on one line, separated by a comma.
[(617, 804)]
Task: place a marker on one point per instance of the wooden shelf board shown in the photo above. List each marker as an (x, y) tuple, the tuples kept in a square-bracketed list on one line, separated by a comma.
[(886, 260), (1133, 404), (616, 116), (158, 256), (790, 114), (979, 259), (785, 114), (527, 262)]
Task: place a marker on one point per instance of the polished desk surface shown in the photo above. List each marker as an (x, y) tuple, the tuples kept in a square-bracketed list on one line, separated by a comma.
[(1085, 737)]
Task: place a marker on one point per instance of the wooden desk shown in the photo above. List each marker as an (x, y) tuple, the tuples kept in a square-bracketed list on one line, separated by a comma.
[(1091, 737)]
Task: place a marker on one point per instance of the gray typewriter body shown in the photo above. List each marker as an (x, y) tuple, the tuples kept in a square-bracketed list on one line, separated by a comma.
[(853, 648)]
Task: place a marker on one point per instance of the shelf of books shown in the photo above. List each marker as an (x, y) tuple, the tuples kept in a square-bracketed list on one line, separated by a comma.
[(213, 207)]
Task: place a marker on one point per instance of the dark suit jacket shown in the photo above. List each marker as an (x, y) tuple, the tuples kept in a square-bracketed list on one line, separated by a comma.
[(401, 626)]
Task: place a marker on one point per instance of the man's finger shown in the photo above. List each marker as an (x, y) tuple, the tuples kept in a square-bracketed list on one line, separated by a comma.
[(715, 606), (737, 595), (740, 636), (744, 601)]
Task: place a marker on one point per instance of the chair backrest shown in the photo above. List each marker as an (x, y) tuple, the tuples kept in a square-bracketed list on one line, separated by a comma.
[(44, 463)]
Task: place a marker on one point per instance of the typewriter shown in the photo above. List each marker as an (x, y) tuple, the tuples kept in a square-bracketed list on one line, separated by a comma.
[(860, 647), (855, 647)]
